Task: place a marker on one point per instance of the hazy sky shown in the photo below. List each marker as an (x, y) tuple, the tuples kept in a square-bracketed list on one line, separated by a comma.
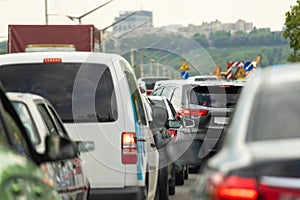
[(262, 13)]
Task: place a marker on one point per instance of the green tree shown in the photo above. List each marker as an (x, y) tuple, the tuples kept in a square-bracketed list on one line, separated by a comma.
[(221, 39), (238, 38), (292, 31), (3, 47), (202, 40)]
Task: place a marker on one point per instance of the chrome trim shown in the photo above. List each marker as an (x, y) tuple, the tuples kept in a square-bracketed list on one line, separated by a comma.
[(283, 182)]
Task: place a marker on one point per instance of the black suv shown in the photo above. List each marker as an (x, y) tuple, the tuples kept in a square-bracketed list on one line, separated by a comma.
[(208, 106)]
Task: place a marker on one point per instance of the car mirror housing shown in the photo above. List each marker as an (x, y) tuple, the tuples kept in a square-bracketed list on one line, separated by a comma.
[(160, 117), (83, 146), (59, 148), (174, 124), (188, 123)]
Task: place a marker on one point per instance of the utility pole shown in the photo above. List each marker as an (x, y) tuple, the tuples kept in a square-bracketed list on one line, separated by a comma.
[(132, 57), (142, 64), (46, 11)]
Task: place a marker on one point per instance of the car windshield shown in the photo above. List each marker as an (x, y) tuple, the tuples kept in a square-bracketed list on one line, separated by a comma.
[(215, 96), (68, 86)]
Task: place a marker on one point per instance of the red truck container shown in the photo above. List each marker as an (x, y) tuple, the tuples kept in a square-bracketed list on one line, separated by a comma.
[(24, 38)]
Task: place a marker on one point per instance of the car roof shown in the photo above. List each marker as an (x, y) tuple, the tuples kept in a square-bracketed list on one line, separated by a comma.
[(282, 74), (25, 97), (201, 83), (153, 77), (202, 76), (37, 57), (157, 97)]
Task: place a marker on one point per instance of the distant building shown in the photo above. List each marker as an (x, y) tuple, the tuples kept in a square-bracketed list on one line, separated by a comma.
[(206, 28), (140, 19)]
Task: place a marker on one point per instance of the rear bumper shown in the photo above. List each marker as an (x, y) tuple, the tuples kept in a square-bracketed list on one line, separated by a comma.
[(192, 148), (130, 193)]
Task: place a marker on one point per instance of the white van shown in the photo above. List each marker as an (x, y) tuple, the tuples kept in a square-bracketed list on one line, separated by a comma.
[(97, 98)]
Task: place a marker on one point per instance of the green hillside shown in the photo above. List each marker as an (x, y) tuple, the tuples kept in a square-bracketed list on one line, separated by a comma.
[(271, 55)]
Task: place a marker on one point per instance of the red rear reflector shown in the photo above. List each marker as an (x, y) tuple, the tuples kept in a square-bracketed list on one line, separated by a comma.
[(224, 86), (129, 148), (86, 188), (172, 132), (52, 60)]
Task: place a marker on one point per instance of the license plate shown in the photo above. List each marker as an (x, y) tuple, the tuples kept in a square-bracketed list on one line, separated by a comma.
[(221, 120)]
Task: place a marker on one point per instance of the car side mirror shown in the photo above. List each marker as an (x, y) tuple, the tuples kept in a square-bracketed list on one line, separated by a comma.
[(174, 124), (160, 117), (188, 123), (59, 148), (84, 146)]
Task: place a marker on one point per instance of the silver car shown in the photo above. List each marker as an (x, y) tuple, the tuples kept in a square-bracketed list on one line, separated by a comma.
[(40, 119)]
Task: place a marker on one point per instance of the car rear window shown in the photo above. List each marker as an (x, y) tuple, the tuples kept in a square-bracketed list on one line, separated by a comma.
[(224, 96), (27, 121), (150, 82), (81, 92), (275, 114), (159, 103)]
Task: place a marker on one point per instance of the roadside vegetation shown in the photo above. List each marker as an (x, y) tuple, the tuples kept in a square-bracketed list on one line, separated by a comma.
[(221, 46)]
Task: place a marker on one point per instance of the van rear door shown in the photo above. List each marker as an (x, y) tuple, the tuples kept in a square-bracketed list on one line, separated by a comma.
[(84, 96)]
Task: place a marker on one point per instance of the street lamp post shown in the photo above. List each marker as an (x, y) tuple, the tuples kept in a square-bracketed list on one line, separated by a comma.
[(87, 13), (117, 40), (116, 22)]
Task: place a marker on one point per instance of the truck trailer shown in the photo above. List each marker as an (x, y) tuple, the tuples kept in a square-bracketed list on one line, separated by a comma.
[(26, 38)]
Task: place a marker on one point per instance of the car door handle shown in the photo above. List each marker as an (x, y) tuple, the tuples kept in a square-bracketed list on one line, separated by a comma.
[(141, 140)]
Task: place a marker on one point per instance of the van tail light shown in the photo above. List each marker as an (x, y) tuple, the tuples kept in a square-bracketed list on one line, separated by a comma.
[(186, 112), (232, 188), (172, 132), (129, 148)]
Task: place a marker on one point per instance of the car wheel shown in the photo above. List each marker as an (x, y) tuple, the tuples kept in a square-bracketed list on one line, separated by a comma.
[(164, 194), (186, 173), (179, 178), (171, 189), (156, 197), (145, 193)]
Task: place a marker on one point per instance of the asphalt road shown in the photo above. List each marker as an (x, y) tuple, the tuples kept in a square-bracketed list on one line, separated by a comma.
[(184, 192)]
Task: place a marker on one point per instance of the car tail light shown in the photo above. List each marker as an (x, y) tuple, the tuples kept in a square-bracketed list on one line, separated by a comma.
[(186, 112), (280, 189), (46, 179), (77, 165), (148, 92), (232, 188), (224, 86), (172, 132), (129, 148)]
